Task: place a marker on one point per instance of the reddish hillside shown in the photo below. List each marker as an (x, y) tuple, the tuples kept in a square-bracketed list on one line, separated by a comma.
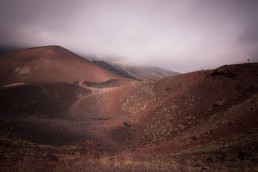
[(49, 64), (205, 117), (200, 121)]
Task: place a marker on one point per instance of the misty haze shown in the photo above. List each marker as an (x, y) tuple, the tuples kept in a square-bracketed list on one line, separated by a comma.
[(128, 85)]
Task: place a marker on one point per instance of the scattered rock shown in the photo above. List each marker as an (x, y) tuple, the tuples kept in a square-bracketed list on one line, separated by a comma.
[(219, 103), (51, 157), (206, 168), (223, 71), (238, 87), (242, 154), (127, 125), (194, 138), (211, 159)]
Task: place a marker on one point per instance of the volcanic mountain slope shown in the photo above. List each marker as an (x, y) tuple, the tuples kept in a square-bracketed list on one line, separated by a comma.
[(200, 121), (49, 64), (127, 69)]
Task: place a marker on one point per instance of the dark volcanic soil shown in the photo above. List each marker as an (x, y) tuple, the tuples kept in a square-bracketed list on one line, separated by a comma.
[(200, 121)]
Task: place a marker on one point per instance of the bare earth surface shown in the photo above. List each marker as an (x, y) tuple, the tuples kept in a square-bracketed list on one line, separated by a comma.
[(200, 121)]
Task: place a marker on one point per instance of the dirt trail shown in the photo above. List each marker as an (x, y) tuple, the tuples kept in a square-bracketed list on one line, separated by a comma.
[(98, 125), (94, 91)]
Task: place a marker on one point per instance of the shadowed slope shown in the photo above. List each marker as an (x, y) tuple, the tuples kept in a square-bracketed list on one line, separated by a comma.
[(36, 112)]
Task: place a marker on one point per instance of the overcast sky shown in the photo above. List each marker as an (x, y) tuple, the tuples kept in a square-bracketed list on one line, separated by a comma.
[(182, 35)]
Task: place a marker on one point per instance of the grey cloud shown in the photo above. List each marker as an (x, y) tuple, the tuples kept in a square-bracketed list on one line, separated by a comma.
[(180, 35)]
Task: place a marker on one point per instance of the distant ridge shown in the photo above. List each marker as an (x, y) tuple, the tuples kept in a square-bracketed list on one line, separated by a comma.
[(127, 69)]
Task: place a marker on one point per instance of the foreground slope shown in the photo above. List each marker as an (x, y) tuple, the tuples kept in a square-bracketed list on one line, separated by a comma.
[(49, 64), (200, 121), (204, 120)]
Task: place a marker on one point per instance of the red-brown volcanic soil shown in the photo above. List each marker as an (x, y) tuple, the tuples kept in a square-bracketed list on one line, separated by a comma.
[(200, 121), (49, 64)]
